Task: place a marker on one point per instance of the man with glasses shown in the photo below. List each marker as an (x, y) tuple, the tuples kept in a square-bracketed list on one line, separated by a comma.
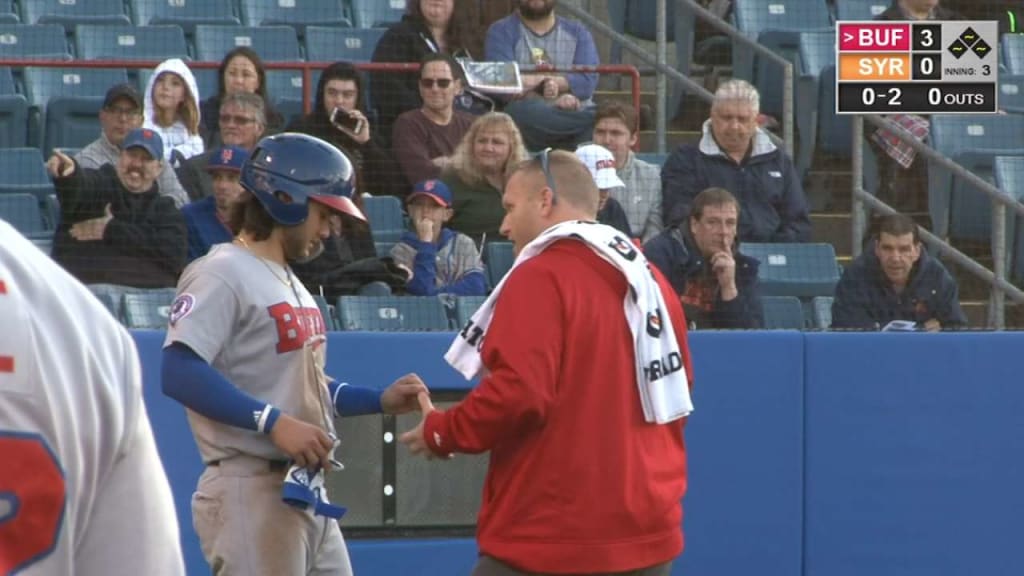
[(122, 113), (243, 120), (424, 139)]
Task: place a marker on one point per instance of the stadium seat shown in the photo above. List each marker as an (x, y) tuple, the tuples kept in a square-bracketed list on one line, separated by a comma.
[(148, 309), (273, 43), (327, 312), (285, 90), (385, 215), (100, 42), (656, 158), (821, 317), (22, 211), (69, 13), (112, 296), (39, 41), (13, 112), (24, 170), (792, 269), (42, 84), (498, 257), (978, 135), (1012, 50), (383, 248), (376, 13), (392, 313), (782, 313), (1009, 177), (295, 13), (7, 13), (51, 210), (465, 306), (45, 244), (814, 102), (860, 9), (776, 24), (64, 103), (185, 13), (325, 44), (1011, 93)]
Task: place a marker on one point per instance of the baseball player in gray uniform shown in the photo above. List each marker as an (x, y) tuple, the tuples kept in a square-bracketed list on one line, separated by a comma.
[(77, 453), (245, 354)]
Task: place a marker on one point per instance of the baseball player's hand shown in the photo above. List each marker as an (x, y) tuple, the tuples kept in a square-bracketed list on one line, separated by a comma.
[(93, 228), (413, 439), (60, 165), (724, 267), (402, 395), (308, 445)]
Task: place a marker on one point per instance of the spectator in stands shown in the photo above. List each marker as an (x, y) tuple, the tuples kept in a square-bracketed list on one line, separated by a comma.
[(735, 154), (428, 27), (554, 109), (341, 88), (716, 282), (121, 113), (919, 10), (617, 129), (207, 219), (601, 164), (476, 177), (114, 226), (172, 110), (442, 261), (896, 280), (242, 120), (241, 70), (424, 139)]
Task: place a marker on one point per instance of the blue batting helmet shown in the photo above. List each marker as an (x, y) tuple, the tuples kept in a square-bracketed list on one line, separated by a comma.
[(286, 171)]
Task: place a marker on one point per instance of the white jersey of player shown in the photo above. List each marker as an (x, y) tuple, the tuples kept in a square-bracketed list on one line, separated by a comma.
[(82, 489), (256, 324)]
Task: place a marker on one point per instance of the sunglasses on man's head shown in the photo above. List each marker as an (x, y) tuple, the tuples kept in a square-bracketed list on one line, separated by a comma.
[(545, 166), (441, 83)]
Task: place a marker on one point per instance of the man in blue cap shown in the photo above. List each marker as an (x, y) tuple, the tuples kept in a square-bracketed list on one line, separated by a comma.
[(115, 227), (207, 219)]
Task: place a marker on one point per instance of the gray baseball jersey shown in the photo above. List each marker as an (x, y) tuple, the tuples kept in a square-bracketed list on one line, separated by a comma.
[(82, 489), (238, 312)]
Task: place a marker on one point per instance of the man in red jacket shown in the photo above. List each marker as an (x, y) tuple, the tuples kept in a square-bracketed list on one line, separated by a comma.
[(579, 481)]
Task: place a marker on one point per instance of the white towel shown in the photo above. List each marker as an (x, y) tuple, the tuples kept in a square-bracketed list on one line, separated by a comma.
[(660, 375)]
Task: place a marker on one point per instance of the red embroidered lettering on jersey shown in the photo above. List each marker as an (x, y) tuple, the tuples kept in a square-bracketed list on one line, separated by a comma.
[(295, 326)]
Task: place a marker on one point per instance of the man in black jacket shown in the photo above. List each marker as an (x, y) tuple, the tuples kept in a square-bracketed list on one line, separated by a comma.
[(717, 284), (115, 228)]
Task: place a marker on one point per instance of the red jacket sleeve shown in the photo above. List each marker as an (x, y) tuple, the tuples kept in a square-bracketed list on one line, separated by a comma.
[(522, 349)]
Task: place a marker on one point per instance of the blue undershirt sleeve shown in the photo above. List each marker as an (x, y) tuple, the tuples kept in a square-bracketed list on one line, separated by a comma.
[(189, 379), (352, 400)]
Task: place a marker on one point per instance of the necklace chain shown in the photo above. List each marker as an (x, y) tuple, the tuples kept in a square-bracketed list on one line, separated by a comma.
[(287, 281)]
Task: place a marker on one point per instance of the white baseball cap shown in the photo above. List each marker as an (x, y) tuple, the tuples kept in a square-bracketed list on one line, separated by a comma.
[(601, 163)]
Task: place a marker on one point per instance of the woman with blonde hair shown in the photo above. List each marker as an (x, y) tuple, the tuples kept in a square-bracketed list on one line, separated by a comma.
[(477, 173)]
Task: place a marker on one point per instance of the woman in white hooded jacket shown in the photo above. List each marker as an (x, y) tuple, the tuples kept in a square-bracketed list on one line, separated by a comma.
[(172, 109)]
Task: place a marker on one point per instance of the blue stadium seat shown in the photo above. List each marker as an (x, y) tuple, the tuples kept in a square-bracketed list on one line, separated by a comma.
[(69, 13), (325, 44), (65, 102), (465, 306), (295, 13), (385, 215), (185, 13), (285, 90), (821, 317), (1011, 93), (7, 13), (860, 9), (13, 112), (814, 101), (978, 135), (42, 84), (783, 313), (24, 170), (656, 158), (51, 209), (776, 24), (392, 313), (39, 41), (498, 258), (1012, 50), (1009, 177), (327, 312), (148, 309), (112, 297), (792, 269), (71, 123), (22, 211), (273, 43), (376, 13), (100, 42)]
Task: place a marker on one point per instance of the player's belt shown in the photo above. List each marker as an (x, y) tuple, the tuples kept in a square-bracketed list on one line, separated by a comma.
[(272, 465)]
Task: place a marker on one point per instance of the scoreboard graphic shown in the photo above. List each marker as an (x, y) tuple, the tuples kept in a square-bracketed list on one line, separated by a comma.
[(926, 67)]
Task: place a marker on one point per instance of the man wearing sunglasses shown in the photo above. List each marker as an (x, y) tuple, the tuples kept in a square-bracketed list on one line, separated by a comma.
[(424, 139)]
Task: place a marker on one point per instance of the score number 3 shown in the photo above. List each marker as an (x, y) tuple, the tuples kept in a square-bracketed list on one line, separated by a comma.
[(32, 497)]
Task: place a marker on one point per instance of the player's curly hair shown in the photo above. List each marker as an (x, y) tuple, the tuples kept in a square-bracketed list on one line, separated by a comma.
[(250, 215)]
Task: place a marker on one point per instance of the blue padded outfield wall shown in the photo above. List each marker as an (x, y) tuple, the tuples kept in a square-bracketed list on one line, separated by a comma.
[(811, 454)]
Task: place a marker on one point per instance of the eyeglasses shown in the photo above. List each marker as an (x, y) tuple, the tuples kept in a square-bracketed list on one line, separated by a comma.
[(235, 119), (122, 112), (441, 83), (545, 166)]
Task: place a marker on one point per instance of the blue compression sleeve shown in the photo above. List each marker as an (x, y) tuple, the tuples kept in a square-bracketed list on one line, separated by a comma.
[(190, 380), (354, 400)]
